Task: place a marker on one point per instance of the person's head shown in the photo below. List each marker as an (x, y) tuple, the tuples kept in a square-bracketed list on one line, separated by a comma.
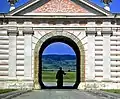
[(60, 68)]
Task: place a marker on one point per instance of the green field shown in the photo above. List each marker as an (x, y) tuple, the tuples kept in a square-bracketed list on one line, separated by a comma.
[(50, 76)]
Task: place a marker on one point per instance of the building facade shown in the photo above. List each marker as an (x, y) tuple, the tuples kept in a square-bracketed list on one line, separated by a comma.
[(93, 33)]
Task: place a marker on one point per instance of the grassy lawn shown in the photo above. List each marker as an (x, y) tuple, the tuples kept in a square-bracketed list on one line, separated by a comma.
[(50, 76), (6, 90), (113, 90)]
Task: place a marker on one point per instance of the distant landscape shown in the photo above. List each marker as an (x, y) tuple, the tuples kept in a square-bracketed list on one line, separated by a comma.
[(51, 64), (54, 61)]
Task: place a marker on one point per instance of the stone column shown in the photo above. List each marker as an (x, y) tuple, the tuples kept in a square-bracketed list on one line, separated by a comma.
[(106, 55), (12, 52), (91, 55), (28, 53)]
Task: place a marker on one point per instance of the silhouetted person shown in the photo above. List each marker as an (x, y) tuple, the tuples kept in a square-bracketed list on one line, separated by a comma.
[(59, 77)]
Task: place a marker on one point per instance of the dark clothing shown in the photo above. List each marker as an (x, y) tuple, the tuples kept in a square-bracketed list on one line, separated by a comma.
[(59, 77)]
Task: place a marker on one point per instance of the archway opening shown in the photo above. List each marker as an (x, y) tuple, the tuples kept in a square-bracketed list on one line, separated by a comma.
[(76, 50), (58, 55)]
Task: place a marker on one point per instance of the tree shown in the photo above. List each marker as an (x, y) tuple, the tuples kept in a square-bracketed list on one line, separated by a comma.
[(106, 1)]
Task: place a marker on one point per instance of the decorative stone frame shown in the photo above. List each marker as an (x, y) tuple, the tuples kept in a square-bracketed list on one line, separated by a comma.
[(49, 35)]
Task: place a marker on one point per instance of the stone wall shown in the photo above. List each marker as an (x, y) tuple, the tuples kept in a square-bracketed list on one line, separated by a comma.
[(99, 46)]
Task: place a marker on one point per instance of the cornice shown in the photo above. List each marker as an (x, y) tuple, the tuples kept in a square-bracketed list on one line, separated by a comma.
[(72, 16)]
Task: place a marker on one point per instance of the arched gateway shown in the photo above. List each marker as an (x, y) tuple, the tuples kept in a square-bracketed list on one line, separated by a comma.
[(92, 31), (61, 36)]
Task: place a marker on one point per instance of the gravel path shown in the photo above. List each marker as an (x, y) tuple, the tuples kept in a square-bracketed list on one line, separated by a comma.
[(57, 94)]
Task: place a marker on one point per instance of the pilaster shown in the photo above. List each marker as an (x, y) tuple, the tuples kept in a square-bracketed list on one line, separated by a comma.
[(28, 53), (12, 52), (106, 55), (91, 55)]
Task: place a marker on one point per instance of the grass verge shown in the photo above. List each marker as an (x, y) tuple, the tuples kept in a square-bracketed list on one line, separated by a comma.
[(6, 90), (113, 90)]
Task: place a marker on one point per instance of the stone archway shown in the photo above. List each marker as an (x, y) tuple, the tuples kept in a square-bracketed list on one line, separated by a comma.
[(50, 35)]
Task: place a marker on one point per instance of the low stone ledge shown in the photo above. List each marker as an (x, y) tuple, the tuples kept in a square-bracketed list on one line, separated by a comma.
[(13, 94), (104, 94), (7, 94)]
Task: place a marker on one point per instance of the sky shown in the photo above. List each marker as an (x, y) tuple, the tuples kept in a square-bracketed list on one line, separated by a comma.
[(59, 48), (4, 5)]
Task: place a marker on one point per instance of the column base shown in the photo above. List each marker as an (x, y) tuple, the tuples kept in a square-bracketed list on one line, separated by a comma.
[(98, 85), (18, 84), (37, 86)]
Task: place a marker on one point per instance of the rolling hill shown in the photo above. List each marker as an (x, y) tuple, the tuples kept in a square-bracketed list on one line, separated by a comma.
[(54, 61)]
